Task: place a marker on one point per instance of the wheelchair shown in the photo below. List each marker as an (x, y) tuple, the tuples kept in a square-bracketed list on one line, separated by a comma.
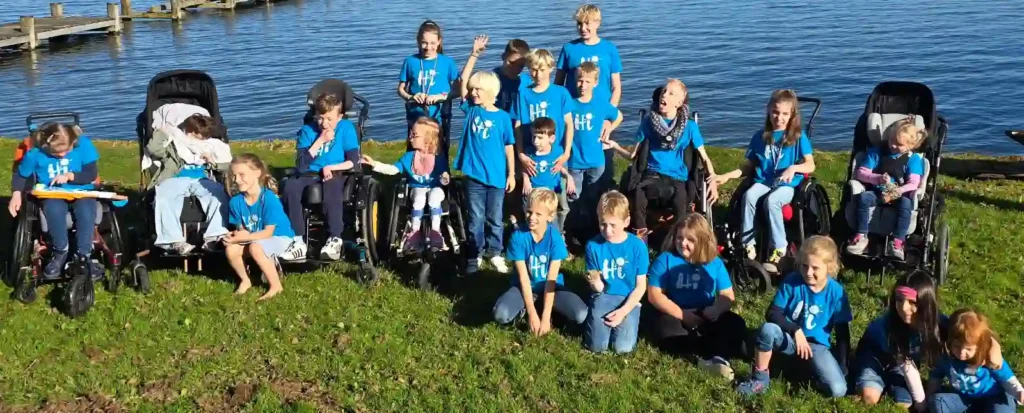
[(26, 261), (927, 244), (807, 214)]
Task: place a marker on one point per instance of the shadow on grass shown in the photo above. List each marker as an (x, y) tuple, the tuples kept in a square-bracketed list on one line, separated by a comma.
[(973, 198)]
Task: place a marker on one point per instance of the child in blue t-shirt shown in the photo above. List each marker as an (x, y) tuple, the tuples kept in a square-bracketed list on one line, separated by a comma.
[(589, 47), (779, 157), (61, 157), (325, 147), (808, 306), (537, 251), (511, 74), (427, 77), (981, 378), (542, 99), (425, 168), (593, 123), (545, 155), (691, 289), (262, 230), (893, 174), (485, 157), (617, 263)]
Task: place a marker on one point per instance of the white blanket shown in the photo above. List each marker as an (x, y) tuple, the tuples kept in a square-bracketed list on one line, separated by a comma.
[(191, 151)]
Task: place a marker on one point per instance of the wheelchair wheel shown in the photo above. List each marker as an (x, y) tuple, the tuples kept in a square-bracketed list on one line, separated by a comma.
[(139, 276), (940, 268), (457, 221), (19, 265), (79, 294), (749, 276), (371, 231), (115, 243), (390, 237)]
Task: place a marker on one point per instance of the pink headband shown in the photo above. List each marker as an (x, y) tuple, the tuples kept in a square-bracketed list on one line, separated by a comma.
[(907, 292)]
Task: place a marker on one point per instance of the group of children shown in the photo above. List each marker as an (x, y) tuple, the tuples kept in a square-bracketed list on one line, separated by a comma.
[(552, 140)]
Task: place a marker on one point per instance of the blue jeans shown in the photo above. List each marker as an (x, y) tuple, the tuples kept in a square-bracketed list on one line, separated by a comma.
[(56, 211), (955, 403), (332, 204), (170, 197), (869, 199), (872, 375), (824, 365), (598, 335), (777, 197), (588, 189), (485, 204), (511, 305)]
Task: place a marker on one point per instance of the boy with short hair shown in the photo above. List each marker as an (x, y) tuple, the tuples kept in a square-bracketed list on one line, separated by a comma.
[(538, 251), (542, 99), (589, 47), (544, 155), (617, 263), (593, 123), (510, 73)]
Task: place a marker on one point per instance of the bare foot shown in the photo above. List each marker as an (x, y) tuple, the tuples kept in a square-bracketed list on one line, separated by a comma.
[(243, 287), (270, 294)]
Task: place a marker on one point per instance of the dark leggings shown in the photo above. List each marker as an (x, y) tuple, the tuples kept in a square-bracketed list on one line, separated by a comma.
[(333, 202), (648, 188), (723, 337)]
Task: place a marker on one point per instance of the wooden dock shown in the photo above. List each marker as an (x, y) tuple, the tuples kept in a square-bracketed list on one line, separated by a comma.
[(30, 30), (175, 9)]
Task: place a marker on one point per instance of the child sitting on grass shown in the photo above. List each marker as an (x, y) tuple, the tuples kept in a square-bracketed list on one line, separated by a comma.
[(544, 155)]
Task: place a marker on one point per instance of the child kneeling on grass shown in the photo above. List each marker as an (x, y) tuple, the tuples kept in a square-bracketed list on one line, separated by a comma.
[(261, 230), (537, 250), (617, 264), (808, 305)]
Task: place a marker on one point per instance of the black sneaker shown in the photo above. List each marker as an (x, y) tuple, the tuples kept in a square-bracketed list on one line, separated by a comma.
[(55, 267)]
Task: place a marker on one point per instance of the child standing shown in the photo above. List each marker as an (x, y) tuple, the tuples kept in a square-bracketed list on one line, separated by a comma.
[(329, 145), (428, 76), (426, 170), (187, 156), (61, 157), (485, 157), (261, 230), (807, 307), (510, 73), (907, 335), (544, 155), (617, 264), (779, 156), (590, 47), (593, 123), (973, 362), (537, 250), (894, 174), (541, 99), (690, 288)]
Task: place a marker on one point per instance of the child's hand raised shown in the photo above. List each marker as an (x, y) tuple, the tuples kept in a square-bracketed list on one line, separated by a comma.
[(480, 43)]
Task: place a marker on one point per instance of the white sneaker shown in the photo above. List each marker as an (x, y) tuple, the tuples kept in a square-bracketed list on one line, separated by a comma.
[(499, 264), (296, 252), (332, 250), (717, 366)]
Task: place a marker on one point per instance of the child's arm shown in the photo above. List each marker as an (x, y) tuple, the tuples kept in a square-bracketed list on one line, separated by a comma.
[(570, 183), (707, 160), (622, 151), (380, 167), (86, 175), (239, 237), (527, 290), (479, 45), (510, 182), (529, 166), (610, 126), (842, 343), (549, 293), (527, 185), (616, 89), (745, 169), (660, 301), (913, 378), (632, 301), (159, 146), (567, 151)]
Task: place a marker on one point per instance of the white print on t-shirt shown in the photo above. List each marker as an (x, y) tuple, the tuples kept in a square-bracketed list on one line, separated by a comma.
[(687, 282), (583, 122), (481, 127), (253, 223), (592, 59), (613, 268), (539, 110), (542, 166), (964, 382), (426, 78), (60, 168), (539, 266), (814, 310)]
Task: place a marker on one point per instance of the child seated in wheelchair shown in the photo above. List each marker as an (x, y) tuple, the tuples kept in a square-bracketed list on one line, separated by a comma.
[(426, 170), (892, 174), (669, 130), (778, 156), (187, 155), (544, 155), (61, 157), (329, 145)]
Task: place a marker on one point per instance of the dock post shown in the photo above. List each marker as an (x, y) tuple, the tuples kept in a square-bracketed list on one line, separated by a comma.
[(28, 27), (56, 10), (175, 10), (126, 9), (114, 13)]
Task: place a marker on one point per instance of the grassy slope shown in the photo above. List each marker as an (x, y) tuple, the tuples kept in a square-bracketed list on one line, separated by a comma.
[(330, 343)]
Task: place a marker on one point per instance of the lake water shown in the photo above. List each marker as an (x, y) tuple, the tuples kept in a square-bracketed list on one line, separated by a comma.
[(731, 54)]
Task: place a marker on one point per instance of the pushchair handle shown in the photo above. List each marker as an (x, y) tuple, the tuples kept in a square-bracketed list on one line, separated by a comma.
[(817, 107), (32, 121)]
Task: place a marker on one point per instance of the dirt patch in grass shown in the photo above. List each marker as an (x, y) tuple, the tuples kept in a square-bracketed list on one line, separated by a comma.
[(91, 403)]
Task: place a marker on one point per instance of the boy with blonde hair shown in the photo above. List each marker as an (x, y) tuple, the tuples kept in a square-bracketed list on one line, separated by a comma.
[(542, 99), (617, 264), (593, 122), (589, 47), (537, 249)]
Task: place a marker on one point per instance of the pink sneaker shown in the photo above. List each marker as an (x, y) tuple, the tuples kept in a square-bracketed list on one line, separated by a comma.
[(858, 244), (895, 249)]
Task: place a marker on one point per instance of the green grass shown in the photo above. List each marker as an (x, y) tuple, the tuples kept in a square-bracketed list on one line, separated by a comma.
[(329, 343)]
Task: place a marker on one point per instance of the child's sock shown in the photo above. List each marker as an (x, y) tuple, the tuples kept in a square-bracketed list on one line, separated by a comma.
[(435, 219), (416, 220)]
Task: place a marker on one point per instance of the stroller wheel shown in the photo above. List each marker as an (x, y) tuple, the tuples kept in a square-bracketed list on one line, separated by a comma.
[(114, 280), (141, 276), (750, 276), (24, 291), (940, 268), (79, 294)]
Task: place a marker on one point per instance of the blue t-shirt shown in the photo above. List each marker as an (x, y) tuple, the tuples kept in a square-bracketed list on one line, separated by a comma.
[(481, 154), (554, 103), (432, 180), (266, 211), (690, 286), (430, 76), (510, 86), (537, 255), (46, 167), (972, 382), (345, 139), (914, 166), (588, 122), (815, 313), (546, 176), (876, 337), (770, 160), (669, 161), (620, 264), (604, 55), (192, 171)]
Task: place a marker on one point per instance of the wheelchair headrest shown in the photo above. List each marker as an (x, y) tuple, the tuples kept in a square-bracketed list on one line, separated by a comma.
[(336, 87), (880, 125)]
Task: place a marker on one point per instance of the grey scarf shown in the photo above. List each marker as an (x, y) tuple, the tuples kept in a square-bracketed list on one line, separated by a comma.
[(667, 136)]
